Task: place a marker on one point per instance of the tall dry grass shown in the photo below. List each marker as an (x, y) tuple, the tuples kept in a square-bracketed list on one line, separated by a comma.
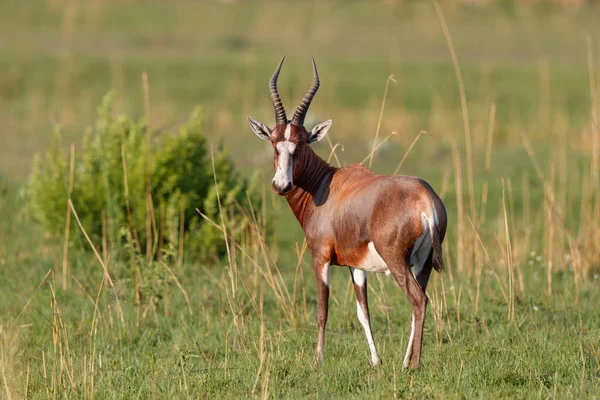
[(487, 236)]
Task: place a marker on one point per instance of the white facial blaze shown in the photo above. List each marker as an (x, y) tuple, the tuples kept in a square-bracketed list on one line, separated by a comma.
[(288, 131), (283, 173)]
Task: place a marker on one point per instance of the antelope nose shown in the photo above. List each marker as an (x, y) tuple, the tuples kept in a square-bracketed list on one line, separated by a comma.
[(281, 189)]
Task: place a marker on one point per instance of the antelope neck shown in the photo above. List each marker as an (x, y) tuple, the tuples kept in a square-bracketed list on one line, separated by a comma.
[(310, 187)]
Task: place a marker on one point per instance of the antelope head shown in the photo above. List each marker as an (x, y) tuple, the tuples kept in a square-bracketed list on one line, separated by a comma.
[(289, 138)]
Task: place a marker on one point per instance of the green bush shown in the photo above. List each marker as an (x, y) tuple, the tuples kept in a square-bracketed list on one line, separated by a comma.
[(181, 177)]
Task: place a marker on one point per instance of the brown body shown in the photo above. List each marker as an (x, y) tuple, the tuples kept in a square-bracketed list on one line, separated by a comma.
[(355, 218), (352, 206)]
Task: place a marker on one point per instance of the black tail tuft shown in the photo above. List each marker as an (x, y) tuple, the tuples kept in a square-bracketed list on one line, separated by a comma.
[(436, 245)]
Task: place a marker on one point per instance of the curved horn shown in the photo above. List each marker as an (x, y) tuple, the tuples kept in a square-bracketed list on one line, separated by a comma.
[(300, 113), (280, 116)]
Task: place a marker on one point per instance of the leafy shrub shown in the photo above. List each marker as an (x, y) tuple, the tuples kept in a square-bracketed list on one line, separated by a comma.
[(181, 178)]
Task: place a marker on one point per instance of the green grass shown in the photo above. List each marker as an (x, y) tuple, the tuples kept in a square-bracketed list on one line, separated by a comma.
[(549, 348), (251, 332)]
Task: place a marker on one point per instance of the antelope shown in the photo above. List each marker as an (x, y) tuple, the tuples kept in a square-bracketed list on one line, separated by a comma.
[(352, 217)]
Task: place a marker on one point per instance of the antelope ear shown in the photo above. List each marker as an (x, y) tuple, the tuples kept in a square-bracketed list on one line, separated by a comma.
[(318, 132), (260, 129)]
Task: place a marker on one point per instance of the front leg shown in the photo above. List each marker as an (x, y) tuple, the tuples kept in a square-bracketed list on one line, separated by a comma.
[(321, 270), (359, 279)]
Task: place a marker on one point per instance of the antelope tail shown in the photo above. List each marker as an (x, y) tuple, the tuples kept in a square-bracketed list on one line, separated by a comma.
[(436, 248)]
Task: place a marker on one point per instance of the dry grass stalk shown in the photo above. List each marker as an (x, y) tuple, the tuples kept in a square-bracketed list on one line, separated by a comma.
[(275, 282), (262, 344), (93, 331), (61, 351), (45, 373), (437, 309), (416, 139), (148, 166), (488, 161), (104, 240), (387, 84), (226, 237), (550, 230), (27, 380), (183, 291), (463, 104), (375, 148), (576, 263), (509, 259), (65, 264), (55, 337), (134, 246), (14, 321), (459, 208), (183, 374), (2, 370), (299, 274), (104, 267), (181, 238), (478, 268), (515, 248), (333, 153)]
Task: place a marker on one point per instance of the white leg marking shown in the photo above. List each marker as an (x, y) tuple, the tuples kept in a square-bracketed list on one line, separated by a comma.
[(362, 317), (321, 343), (360, 277), (410, 343), (325, 274)]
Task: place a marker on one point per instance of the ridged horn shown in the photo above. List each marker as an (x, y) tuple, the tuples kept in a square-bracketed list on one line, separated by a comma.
[(280, 116), (302, 109)]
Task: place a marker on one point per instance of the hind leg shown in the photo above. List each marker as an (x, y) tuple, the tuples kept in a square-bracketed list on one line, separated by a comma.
[(422, 278), (400, 269), (418, 301), (422, 274), (421, 258)]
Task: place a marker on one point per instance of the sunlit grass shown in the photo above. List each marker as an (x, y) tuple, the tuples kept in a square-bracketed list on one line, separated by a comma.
[(514, 315)]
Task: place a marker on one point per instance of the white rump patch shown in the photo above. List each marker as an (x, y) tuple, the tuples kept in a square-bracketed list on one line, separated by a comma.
[(422, 247), (372, 262)]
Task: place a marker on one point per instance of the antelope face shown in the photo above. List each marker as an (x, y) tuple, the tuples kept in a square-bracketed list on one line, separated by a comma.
[(289, 138), (289, 142)]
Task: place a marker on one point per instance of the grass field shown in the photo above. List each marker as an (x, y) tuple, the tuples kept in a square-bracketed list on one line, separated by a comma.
[(512, 146)]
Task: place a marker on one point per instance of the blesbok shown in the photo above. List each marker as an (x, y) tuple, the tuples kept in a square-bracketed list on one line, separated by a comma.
[(352, 217)]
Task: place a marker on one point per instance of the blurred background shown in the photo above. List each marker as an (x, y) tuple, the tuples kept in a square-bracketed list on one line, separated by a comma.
[(493, 102), (526, 68), (530, 58)]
